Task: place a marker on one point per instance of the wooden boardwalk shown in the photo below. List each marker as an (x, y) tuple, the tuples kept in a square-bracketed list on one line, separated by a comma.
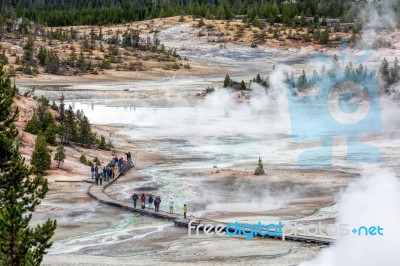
[(97, 192)]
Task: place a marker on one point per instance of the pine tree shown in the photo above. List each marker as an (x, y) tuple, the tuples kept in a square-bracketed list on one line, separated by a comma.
[(33, 126), (260, 168), (61, 115), (102, 144), (28, 52), (51, 133), (60, 155), (20, 193), (42, 56), (68, 130), (384, 72), (85, 135), (242, 85), (395, 72), (227, 81), (81, 63), (302, 81), (324, 37), (41, 159)]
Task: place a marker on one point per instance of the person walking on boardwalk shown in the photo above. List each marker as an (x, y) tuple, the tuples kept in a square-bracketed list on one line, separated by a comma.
[(92, 170), (143, 201), (171, 205), (96, 169), (101, 179), (104, 172), (113, 172), (119, 165), (96, 178), (150, 202), (184, 211), (134, 198), (108, 173), (156, 204)]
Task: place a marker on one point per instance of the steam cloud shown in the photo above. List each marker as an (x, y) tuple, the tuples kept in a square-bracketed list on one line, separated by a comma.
[(370, 201)]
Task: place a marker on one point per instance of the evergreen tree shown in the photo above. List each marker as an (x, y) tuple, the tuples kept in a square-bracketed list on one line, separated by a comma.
[(51, 133), (42, 56), (41, 159), (68, 129), (85, 135), (384, 72), (227, 81), (3, 58), (20, 193), (33, 126), (302, 81), (60, 155), (324, 36), (242, 85), (102, 144), (260, 168), (42, 121), (52, 65), (81, 63), (29, 50), (61, 115), (395, 72)]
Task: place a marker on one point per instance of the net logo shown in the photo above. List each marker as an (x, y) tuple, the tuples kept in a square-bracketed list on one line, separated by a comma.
[(345, 103)]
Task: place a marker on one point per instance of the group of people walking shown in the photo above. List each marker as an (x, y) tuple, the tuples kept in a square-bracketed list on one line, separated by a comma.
[(156, 200), (111, 170), (116, 166), (107, 173)]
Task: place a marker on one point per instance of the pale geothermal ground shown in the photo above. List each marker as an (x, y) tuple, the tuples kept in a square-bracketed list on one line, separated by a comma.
[(202, 151)]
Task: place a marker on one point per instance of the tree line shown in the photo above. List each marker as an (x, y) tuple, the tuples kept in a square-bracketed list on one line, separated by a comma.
[(103, 12), (386, 76)]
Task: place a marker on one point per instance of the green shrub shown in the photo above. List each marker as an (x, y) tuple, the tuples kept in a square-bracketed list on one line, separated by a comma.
[(83, 159), (97, 161), (201, 23)]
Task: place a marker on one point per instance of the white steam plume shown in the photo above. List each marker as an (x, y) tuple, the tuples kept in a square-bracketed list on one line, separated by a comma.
[(370, 201)]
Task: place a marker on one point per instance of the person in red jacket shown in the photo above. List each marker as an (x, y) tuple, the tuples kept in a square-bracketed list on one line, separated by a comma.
[(143, 201)]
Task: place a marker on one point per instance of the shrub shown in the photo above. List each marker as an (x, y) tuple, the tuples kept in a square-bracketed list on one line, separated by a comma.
[(97, 161), (83, 159), (201, 23)]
